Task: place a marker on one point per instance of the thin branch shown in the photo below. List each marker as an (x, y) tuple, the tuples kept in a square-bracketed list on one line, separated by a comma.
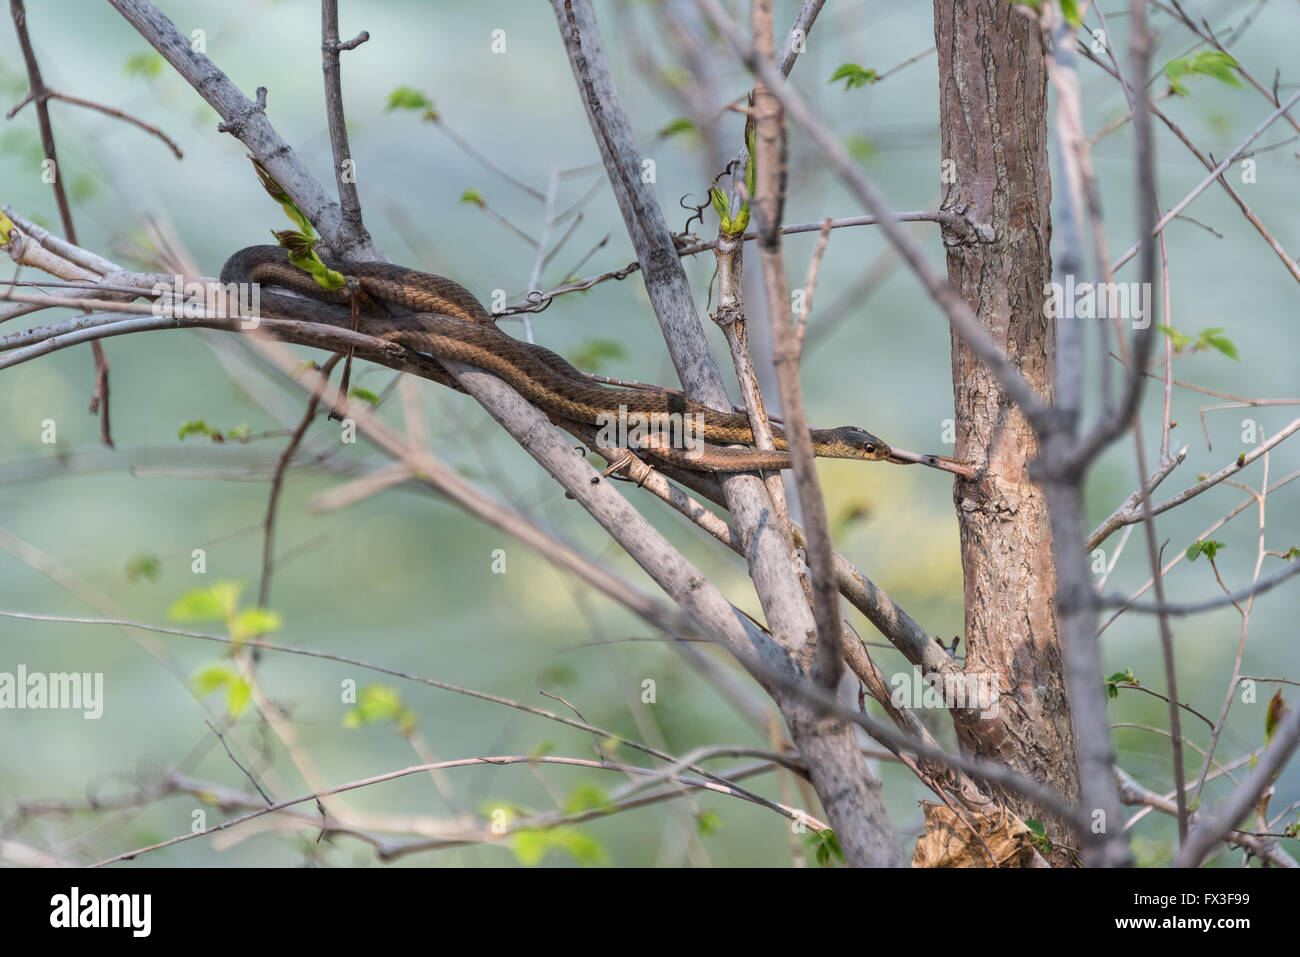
[(353, 229), (1195, 608), (1221, 820), (39, 94)]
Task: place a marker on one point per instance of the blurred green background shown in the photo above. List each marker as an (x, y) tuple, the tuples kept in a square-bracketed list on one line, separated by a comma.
[(404, 579)]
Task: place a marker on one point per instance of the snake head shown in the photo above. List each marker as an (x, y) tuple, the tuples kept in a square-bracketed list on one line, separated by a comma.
[(861, 444)]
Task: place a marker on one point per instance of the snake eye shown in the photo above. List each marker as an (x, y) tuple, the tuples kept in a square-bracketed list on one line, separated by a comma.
[(869, 448)]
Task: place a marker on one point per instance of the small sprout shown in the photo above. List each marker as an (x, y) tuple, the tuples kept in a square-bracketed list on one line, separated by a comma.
[(144, 64), (1212, 63), (860, 147), (677, 126), (1213, 339), (193, 427), (1209, 548), (707, 823), (853, 76), (1125, 677), (585, 797), (1039, 833), (409, 98), (379, 704), (218, 602), (254, 621), (472, 196), (827, 847), (530, 846), (143, 567), (1207, 339), (1179, 340), (223, 677)]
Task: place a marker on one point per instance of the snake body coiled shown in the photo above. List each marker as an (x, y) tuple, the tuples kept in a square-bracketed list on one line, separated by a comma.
[(448, 322)]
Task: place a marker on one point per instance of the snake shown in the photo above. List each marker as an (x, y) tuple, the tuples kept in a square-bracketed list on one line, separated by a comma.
[(438, 317)]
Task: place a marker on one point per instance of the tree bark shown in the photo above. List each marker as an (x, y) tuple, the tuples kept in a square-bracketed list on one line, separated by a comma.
[(993, 115)]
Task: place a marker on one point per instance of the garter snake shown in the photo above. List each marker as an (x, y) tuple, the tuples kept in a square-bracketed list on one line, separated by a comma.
[(447, 322)]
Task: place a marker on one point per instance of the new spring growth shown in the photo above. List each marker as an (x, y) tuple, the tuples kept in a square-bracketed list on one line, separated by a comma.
[(734, 226), (301, 242)]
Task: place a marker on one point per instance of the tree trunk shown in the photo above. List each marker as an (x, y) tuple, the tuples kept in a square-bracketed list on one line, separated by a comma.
[(993, 114)]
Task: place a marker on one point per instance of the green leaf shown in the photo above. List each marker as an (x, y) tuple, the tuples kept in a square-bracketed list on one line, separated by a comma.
[(531, 846), (239, 432), (1213, 338), (1217, 64), (311, 263), (223, 677), (254, 621), (860, 147), (1070, 10), (1212, 63), (708, 823), (1209, 548), (472, 196), (379, 704), (1114, 681), (237, 697), (365, 395), (1292, 554), (277, 193), (741, 220), (215, 603), (212, 677), (144, 64), (585, 797), (827, 847), (1039, 833), (582, 847), (193, 427), (594, 352), (408, 98), (677, 126), (853, 76), (143, 566), (719, 200), (751, 165), (1179, 340)]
